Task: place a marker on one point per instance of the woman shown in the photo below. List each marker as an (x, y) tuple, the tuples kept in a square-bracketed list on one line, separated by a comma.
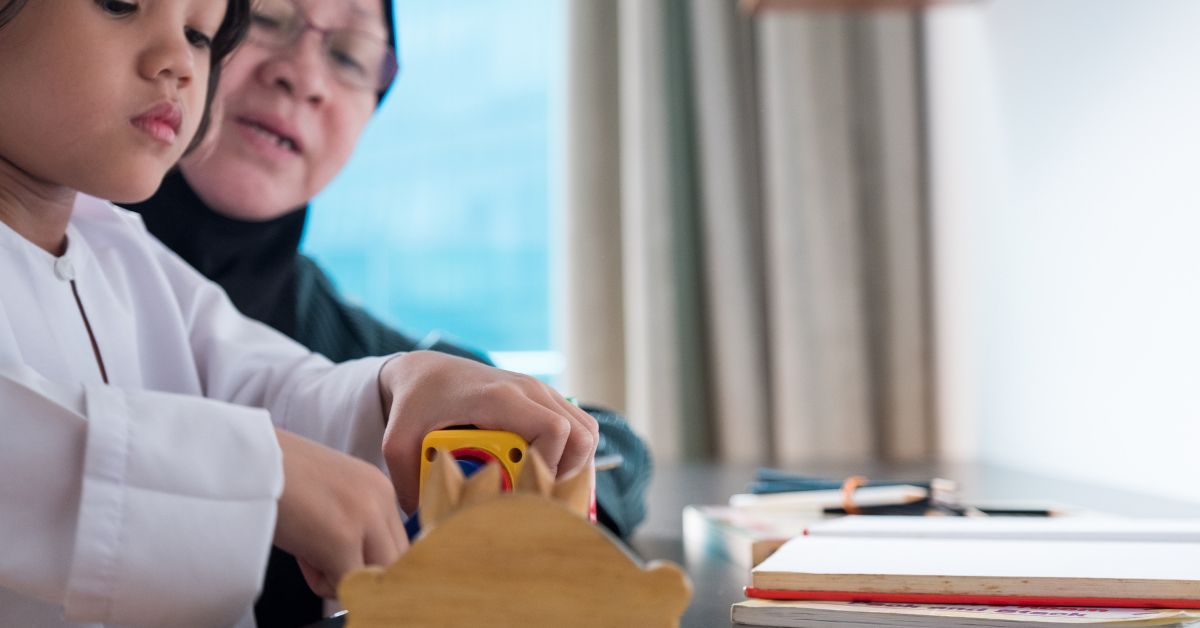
[(290, 108)]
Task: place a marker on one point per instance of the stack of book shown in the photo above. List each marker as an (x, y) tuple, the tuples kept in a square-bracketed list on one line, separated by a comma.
[(879, 614), (901, 571)]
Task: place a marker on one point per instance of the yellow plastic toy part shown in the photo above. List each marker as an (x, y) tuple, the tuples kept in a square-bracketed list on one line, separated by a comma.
[(477, 448)]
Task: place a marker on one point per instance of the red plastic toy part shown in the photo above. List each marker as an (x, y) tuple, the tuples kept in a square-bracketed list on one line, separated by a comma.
[(483, 457)]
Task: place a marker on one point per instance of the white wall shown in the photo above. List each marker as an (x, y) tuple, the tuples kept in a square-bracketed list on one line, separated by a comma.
[(1066, 189)]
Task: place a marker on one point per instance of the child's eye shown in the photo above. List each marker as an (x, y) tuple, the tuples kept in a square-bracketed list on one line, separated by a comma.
[(116, 7), (198, 39)]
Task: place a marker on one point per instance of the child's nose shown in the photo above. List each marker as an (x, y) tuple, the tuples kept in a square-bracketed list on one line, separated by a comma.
[(172, 57)]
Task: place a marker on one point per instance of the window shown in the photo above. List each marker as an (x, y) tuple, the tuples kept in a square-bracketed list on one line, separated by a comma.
[(441, 220)]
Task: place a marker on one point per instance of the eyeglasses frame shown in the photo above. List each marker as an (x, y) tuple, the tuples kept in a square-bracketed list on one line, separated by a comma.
[(391, 61)]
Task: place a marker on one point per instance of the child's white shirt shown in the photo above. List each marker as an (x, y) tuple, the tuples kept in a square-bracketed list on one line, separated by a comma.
[(149, 501)]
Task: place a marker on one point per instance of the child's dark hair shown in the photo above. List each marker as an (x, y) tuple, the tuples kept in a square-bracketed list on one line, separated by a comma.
[(229, 35), (9, 10), (232, 32)]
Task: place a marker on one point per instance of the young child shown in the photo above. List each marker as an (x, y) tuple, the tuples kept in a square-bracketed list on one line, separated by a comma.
[(156, 442)]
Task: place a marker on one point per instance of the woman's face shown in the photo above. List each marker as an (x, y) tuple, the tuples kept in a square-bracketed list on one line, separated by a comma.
[(282, 125), (103, 96)]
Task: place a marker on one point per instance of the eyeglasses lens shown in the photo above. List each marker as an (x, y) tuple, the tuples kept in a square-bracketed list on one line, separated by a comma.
[(356, 58), (275, 23)]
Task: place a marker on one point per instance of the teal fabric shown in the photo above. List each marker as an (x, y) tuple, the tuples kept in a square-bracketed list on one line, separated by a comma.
[(621, 492), (326, 324)]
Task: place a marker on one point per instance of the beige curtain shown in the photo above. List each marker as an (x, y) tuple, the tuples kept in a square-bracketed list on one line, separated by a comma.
[(592, 308), (773, 237)]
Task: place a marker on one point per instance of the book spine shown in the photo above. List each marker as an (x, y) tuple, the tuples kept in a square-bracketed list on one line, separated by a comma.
[(994, 600)]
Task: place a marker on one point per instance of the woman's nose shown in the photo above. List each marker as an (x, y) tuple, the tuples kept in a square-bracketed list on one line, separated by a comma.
[(298, 69)]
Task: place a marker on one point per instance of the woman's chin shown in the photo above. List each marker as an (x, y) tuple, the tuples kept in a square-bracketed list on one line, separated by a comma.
[(251, 211), (242, 193)]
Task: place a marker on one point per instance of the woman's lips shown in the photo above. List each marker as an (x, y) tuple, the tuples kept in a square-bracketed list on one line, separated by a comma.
[(162, 121), (270, 137)]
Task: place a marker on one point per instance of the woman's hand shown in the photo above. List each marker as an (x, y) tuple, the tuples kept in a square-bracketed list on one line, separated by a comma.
[(337, 513), (424, 391)]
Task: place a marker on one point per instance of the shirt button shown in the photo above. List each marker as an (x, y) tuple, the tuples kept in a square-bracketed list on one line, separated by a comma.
[(64, 269)]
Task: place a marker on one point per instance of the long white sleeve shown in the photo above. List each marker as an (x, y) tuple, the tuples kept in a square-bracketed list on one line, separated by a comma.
[(246, 362), (149, 500), (115, 507)]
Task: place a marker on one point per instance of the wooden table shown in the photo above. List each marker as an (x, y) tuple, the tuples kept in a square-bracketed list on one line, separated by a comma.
[(718, 584)]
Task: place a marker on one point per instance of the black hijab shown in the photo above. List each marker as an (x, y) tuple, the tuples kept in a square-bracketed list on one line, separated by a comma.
[(389, 20), (255, 262)]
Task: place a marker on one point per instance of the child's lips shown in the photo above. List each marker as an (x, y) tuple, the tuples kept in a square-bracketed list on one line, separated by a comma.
[(162, 121)]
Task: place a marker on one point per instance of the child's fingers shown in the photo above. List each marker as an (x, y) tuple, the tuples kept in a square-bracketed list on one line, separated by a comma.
[(534, 416), (341, 554), (377, 544), (552, 435), (337, 513), (568, 443), (564, 435), (581, 446), (316, 579), (399, 534), (424, 392), (582, 433), (382, 546)]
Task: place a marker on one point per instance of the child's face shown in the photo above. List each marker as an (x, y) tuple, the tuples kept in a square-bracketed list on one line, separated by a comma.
[(103, 96)]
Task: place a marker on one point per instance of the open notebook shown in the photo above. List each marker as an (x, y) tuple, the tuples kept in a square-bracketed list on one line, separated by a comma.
[(973, 571)]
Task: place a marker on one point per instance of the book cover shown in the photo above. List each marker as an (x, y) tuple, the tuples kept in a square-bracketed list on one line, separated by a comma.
[(972, 571)]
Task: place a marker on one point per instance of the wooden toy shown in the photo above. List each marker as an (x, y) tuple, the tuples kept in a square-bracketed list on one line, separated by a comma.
[(526, 559), (476, 448)]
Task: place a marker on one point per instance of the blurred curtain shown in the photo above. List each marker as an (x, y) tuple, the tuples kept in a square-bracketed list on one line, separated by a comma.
[(767, 196), (592, 309)]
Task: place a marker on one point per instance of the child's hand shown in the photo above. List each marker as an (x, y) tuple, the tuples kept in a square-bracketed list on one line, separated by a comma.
[(425, 391), (337, 513)]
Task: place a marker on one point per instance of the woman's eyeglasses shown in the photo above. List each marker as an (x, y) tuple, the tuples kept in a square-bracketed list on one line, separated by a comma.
[(356, 59)]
